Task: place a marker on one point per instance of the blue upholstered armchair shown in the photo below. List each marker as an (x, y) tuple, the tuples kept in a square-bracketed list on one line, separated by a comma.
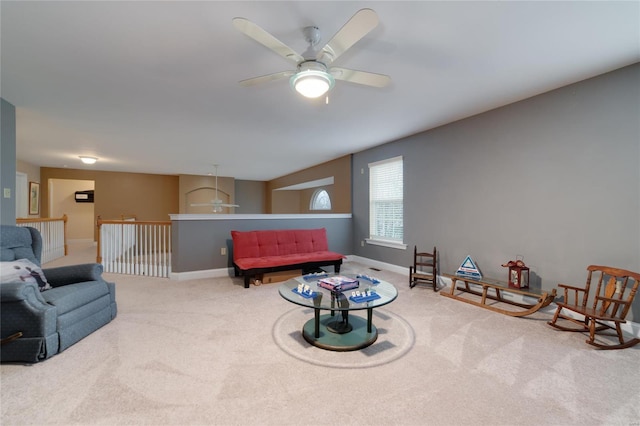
[(39, 324)]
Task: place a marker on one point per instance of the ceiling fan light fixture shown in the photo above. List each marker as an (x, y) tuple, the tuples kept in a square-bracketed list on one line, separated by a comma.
[(88, 160), (312, 79)]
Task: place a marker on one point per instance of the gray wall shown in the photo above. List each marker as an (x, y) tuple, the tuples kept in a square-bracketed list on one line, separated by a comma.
[(555, 178), (197, 243), (250, 196), (7, 162)]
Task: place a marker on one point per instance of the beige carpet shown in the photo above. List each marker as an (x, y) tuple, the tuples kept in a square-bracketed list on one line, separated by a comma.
[(212, 352)]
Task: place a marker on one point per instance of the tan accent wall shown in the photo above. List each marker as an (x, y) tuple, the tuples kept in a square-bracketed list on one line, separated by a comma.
[(154, 197), (199, 189), (148, 196), (340, 191), (284, 202), (80, 216)]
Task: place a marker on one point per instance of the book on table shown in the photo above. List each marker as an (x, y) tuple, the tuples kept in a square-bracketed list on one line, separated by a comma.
[(338, 283)]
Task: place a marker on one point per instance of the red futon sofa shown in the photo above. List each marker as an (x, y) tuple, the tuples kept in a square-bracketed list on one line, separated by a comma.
[(259, 252)]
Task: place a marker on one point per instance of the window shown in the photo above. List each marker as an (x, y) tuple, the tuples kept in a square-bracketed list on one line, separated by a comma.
[(386, 210), (320, 200)]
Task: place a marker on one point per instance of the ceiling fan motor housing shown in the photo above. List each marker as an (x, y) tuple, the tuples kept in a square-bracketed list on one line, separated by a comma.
[(312, 65), (312, 35)]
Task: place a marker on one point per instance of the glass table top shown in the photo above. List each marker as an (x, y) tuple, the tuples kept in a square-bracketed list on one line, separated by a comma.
[(324, 299)]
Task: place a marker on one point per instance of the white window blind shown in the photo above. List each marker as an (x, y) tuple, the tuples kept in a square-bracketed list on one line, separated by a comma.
[(386, 201)]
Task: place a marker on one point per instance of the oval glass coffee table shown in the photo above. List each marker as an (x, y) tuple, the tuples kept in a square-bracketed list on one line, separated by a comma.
[(336, 330)]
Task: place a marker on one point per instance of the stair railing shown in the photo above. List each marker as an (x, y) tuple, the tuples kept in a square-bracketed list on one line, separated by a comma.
[(54, 235), (135, 247)]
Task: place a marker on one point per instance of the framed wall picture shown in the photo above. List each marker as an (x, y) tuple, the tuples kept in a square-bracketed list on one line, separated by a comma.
[(34, 198)]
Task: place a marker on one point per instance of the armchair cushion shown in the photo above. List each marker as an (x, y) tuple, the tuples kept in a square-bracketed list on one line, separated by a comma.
[(73, 296), (20, 243), (23, 271)]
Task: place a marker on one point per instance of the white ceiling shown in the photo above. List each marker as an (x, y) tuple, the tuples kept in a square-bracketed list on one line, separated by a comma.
[(152, 87)]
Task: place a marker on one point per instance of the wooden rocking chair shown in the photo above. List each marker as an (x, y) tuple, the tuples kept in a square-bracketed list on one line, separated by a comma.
[(611, 302), (424, 269)]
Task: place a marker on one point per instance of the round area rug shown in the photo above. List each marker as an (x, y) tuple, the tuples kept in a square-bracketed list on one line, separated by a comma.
[(395, 338)]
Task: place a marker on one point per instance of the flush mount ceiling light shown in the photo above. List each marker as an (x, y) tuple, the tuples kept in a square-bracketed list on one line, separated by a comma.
[(312, 79), (88, 160)]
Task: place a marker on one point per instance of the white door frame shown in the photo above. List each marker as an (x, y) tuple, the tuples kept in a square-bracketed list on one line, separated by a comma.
[(22, 200)]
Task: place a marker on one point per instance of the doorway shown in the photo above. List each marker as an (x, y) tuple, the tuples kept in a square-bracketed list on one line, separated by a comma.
[(80, 215)]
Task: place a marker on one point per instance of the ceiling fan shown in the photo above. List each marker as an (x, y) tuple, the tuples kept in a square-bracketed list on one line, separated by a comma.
[(314, 76), (217, 203)]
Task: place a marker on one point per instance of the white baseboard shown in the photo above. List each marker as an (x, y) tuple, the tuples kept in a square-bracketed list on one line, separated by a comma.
[(228, 272), (379, 265), (198, 275)]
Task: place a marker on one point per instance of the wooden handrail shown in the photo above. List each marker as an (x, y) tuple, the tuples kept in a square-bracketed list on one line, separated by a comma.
[(41, 219), (137, 222)]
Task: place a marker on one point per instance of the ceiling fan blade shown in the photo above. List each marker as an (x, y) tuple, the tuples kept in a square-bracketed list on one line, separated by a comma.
[(360, 77), (200, 204), (357, 27), (263, 37), (266, 78), (229, 205)]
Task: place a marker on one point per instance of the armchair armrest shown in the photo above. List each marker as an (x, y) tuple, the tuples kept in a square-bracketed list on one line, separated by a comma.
[(570, 287), (17, 291), (64, 275), (24, 310), (576, 291), (607, 302)]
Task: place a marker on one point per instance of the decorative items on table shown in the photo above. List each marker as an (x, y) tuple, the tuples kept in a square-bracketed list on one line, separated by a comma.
[(518, 273), (304, 290), (371, 279), (314, 276), (469, 269), (363, 296), (338, 283)]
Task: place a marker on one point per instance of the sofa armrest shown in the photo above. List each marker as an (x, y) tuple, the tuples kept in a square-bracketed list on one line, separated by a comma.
[(64, 275)]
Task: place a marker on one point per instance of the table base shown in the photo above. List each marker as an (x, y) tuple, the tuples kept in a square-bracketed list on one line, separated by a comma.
[(357, 338)]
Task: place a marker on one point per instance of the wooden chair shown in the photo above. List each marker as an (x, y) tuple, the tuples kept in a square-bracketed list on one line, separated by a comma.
[(604, 311), (424, 269)]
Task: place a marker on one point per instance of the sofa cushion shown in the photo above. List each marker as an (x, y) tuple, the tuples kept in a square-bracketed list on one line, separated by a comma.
[(263, 243), (23, 270), (66, 298), (288, 259)]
